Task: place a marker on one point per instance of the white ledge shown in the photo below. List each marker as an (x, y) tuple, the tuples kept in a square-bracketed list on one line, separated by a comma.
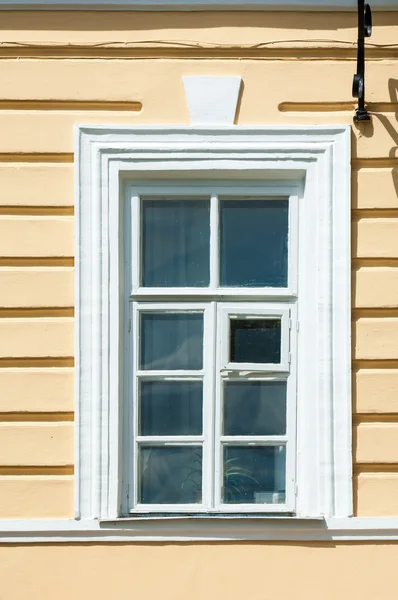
[(193, 4), (200, 529)]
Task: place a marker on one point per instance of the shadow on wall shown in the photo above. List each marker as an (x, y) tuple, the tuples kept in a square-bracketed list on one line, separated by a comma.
[(393, 131), (391, 127)]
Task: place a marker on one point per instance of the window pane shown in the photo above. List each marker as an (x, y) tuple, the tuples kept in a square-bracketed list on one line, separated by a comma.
[(171, 408), (176, 243), (255, 408), (254, 475), (171, 341), (254, 243), (255, 340), (170, 475)]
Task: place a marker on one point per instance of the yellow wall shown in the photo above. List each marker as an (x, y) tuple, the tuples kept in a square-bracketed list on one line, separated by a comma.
[(254, 571), (62, 68)]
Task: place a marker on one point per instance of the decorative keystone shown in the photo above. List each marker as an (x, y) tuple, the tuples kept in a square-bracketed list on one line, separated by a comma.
[(212, 100)]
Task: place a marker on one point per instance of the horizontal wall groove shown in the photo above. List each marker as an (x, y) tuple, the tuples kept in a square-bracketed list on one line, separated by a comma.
[(316, 106), (359, 418), (374, 364), (357, 263), (41, 211), (52, 261), (36, 157), (45, 362), (375, 468), (374, 163), (374, 313), (36, 312), (36, 417), (292, 50), (27, 470), (70, 105), (373, 107), (373, 213)]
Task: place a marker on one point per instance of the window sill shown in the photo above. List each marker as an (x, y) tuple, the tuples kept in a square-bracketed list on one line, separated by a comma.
[(283, 529)]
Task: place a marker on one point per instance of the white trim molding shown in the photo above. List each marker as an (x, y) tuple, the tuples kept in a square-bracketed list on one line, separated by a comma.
[(317, 159), (326, 5), (173, 529)]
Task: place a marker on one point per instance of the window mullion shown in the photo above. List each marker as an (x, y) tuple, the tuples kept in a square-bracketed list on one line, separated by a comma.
[(291, 423), (208, 405), (214, 242), (217, 452), (135, 348), (135, 215)]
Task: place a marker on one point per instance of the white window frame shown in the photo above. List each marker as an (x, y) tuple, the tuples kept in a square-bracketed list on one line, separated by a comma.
[(192, 4), (217, 308), (318, 159), (257, 310)]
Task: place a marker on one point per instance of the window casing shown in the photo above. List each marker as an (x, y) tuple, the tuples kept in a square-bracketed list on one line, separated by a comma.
[(243, 299), (312, 164)]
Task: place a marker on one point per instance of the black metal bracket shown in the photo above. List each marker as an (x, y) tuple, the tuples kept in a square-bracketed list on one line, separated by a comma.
[(358, 86)]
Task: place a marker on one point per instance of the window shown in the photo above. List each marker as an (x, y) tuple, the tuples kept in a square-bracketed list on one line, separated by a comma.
[(212, 364), (209, 379)]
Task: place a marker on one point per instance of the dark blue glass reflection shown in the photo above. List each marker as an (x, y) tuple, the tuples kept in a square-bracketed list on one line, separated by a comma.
[(255, 408), (171, 341), (170, 408), (170, 475), (255, 340), (176, 243), (254, 475), (254, 243)]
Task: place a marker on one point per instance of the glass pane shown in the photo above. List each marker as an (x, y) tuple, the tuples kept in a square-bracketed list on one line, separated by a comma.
[(255, 408), (255, 340), (254, 243), (171, 341), (176, 243), (170, 475), (170, 408), (254, 475)]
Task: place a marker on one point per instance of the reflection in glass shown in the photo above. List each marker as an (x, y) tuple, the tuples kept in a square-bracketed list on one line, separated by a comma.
[(255, 475), (176, 243), (254, 243), (170, 475), (171, 341), (170, 408), (254, 408), (255, 340)]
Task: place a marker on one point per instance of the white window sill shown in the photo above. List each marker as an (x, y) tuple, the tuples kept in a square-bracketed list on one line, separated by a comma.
[(287, 529)]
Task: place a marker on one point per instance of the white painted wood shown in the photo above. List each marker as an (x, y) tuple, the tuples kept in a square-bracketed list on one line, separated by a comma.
[(212, 100), (174, 300), (317, 160), (193, 4), (192, 189), (176, 529), (255, 310), (137, 374)]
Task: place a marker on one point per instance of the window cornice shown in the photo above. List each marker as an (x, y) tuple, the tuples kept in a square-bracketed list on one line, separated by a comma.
[(327, 5)]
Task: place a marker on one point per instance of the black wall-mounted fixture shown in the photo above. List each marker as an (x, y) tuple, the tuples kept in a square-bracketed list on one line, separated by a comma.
[(358, 86)]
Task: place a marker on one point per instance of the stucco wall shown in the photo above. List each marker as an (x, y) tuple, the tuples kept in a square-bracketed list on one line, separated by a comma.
[(176, 572), (58, 69)]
